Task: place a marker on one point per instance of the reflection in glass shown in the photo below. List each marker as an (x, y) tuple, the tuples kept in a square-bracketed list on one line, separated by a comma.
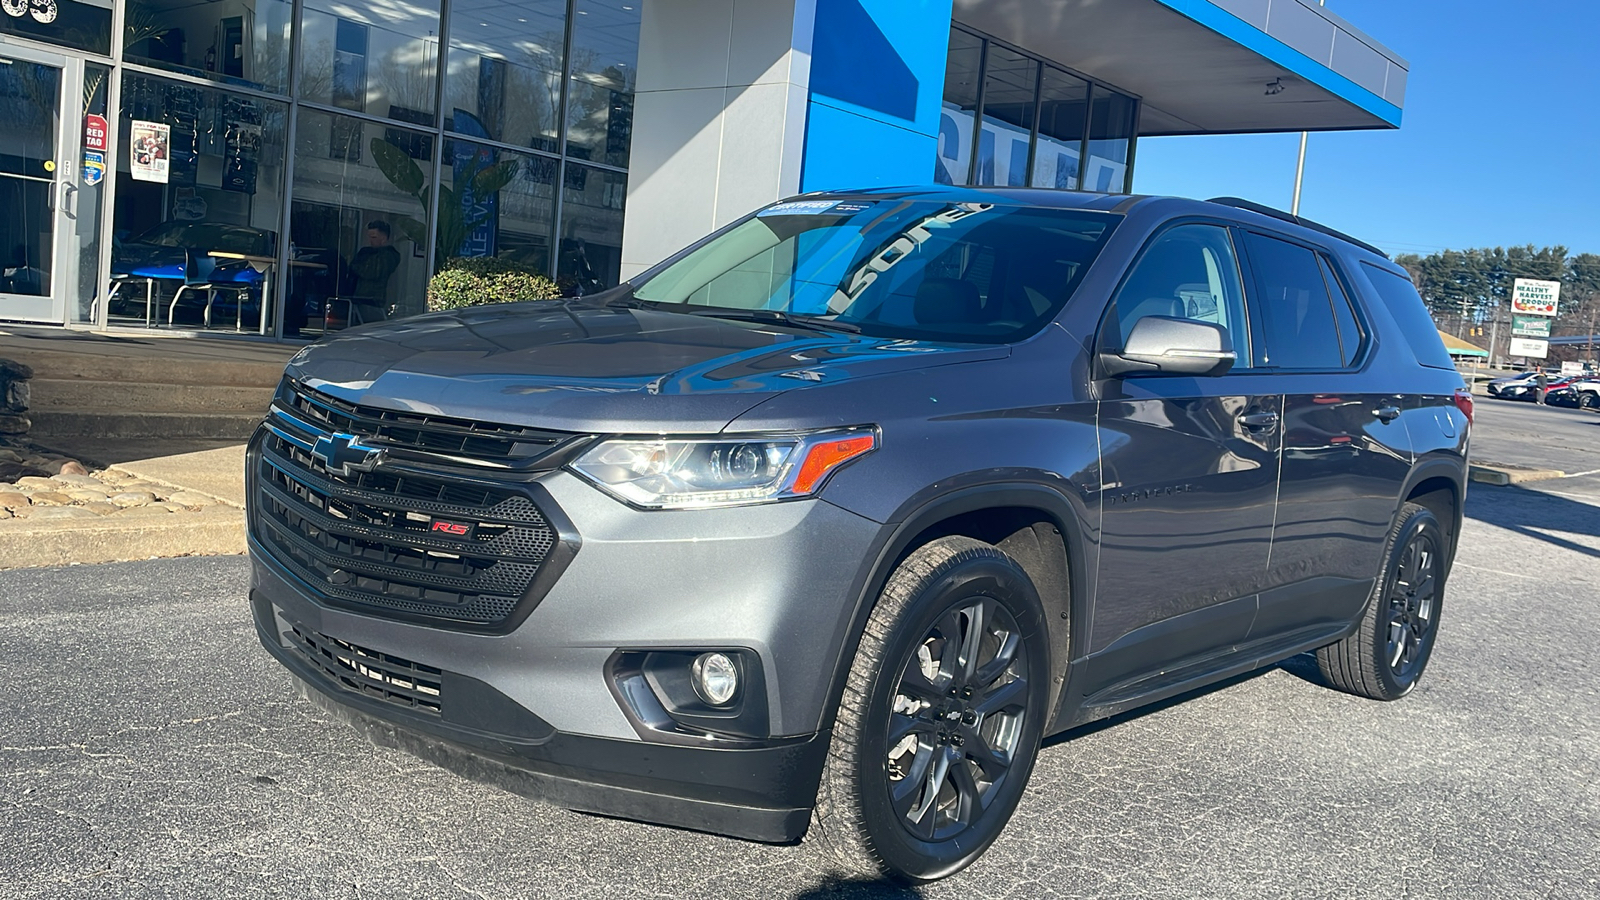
[(496, 203), (1111, 124), (29, 94), (591, 229), (505, 71), (954, 157), (372, 56), (1009, 81), (605, 54), (1063, 106), (358, 244), (79, 24), (197, 249), (240, 41)]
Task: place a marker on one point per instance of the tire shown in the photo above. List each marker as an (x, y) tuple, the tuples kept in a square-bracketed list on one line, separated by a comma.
[(1385, 657), (876, 813), (1589, 400)]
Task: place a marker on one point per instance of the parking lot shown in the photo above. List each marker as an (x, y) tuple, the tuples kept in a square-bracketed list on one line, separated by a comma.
[(149, 747)]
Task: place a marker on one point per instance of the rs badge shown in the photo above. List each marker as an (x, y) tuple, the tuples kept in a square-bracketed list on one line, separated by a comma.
[(453, 529)]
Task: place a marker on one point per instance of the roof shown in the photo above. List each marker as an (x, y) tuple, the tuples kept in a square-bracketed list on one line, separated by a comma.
[(1213, 66), (1458, 347)]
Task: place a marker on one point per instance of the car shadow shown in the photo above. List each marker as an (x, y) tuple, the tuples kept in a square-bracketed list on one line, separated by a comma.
[(1523, 511)]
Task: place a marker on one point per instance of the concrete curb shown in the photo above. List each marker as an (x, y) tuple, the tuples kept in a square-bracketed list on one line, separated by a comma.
[(210, 531), (1502, 474)]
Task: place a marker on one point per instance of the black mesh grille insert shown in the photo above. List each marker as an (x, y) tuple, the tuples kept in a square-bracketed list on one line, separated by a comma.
[(381, 675), (369, 541)]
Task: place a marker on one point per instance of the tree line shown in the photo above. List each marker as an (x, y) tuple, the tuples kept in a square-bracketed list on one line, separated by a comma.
[(1467, 290)]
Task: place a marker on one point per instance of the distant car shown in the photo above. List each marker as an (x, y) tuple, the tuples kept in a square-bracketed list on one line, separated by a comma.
[(1511, 385), (1582, 392)]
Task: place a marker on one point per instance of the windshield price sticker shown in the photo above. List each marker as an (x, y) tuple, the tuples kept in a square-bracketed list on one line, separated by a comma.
[(94, 132)]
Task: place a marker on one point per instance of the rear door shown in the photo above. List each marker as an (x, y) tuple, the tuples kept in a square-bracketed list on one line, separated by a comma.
[(1189, 470), (1345, 449)]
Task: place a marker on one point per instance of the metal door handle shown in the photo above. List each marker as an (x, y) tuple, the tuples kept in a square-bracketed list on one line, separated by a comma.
[(1387, 414), (1259, 420)]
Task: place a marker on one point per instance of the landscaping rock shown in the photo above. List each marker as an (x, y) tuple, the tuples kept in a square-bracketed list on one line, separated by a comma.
[(101, 507), (13, 499), (14, 423), (16, 471), (138, 511), (84, 495), (128, 499), (38, 482), (83, 480), (51, 498)]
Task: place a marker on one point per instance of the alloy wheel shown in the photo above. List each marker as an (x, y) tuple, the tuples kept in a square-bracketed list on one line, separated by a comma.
[(1412, 607), (957, 720)]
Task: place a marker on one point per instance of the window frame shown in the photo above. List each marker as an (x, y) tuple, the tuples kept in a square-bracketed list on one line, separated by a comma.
[(1243, 360), (1253, 302), (1369, 335)]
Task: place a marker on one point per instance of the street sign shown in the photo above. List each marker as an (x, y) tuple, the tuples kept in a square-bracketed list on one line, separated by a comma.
[(1535, 298), (1529, 348), (1530, 326), (1572, 368)]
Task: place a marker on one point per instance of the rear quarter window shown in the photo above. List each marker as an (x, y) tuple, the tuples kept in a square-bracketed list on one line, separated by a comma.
[(1405, 304)]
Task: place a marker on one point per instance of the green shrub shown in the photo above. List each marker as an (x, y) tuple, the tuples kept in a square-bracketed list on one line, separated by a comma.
[(470, 281)]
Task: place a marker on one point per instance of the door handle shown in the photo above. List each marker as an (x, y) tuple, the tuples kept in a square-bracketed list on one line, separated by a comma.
[(1259, 420), (69, 197), (1387, 414)]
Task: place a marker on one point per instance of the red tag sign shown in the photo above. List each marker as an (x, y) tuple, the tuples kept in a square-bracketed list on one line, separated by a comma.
[(94, 132)]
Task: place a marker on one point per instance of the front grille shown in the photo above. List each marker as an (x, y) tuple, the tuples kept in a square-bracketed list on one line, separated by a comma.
[(364, 540), (417, 431), (380, 675)]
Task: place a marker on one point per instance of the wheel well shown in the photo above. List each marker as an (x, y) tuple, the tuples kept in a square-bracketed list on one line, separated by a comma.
[(1036, 540), (1439, 496)]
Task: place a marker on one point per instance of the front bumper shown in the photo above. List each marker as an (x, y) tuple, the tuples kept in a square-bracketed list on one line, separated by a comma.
[(535, 708)]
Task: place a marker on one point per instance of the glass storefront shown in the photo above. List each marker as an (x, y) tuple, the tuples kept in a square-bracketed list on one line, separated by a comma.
[(1011, 118), (274, 167)]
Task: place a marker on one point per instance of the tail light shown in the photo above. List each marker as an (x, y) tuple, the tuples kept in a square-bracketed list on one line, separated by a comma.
[(1464, 403)]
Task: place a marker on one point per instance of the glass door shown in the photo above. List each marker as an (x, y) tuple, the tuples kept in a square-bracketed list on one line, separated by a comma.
[(38, 154)]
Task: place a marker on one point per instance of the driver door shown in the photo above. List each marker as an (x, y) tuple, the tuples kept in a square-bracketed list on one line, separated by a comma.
[(1190, 475)]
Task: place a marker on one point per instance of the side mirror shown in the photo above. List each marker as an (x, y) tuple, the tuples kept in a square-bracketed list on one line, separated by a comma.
[(1171, 346)]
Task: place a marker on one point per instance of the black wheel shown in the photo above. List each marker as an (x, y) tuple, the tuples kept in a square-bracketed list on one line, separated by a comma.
[(940, 720), (1589, 400), (1385, 656)]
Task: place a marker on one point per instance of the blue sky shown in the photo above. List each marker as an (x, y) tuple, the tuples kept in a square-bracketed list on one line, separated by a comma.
[(1499, 144)]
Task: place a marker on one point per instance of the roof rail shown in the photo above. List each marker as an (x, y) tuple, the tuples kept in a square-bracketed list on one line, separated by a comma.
[(1238, 203)]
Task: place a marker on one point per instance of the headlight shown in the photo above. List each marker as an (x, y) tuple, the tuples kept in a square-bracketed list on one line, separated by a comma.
[(681, 474)]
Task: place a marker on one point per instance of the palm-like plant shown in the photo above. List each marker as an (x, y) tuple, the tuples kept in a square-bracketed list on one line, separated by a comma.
[(454, 225)]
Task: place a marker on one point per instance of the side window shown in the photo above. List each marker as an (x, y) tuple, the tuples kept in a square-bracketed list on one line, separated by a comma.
[(1349, 328), (1189, 272), (1292, 301), (1401, 297)]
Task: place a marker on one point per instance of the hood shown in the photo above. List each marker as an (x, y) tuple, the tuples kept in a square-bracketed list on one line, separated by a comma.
[(583, 366)]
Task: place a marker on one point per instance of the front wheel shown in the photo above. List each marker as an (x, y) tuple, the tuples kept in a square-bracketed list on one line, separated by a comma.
[(941, 716), (1384, 658)]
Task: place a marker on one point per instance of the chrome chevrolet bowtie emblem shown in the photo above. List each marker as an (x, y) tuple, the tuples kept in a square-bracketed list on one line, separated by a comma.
[(345, 454)]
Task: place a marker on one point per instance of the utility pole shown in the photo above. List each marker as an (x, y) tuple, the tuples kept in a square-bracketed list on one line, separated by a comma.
[(1494, 332), (1300, 167)]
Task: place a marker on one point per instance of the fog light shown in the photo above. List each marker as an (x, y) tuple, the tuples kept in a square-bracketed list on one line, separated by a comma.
[(716, 678)]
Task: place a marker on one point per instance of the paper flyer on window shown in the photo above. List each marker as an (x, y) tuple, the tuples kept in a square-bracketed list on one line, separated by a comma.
[(149, 147)]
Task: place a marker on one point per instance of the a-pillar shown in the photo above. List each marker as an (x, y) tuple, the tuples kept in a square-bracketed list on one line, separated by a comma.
[(742, 102)]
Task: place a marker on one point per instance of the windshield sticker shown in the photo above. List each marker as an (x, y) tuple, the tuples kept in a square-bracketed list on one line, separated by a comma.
[(851, 207), (799, 208)]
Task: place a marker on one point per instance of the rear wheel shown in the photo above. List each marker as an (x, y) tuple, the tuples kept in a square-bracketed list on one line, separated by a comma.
[(940, 720), (1589, 400), (1385, 656)]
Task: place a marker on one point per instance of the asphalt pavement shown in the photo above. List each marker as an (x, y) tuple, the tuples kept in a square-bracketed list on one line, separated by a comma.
[(150, 748), (1526, 434)]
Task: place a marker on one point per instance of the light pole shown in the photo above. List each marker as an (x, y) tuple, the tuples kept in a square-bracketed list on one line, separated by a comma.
[(1300, 167)]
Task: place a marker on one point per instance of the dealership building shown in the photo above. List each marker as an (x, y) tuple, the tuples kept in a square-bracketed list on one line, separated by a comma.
[(278, 168)]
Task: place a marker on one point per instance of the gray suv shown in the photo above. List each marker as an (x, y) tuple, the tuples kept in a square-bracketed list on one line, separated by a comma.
[(824, 523)]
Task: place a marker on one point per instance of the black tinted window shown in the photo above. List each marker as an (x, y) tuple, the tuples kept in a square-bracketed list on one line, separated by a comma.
[(1349, 328), (1400, 295), (1187, 273), (1292, 299)]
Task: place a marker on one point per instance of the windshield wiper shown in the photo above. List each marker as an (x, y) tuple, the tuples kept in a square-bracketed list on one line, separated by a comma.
[(774, 317)]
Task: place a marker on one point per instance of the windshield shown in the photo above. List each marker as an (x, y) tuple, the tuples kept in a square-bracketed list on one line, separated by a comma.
[(916, 269)]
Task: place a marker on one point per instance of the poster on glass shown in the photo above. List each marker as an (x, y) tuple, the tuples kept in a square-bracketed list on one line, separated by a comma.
[(150, 148)]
